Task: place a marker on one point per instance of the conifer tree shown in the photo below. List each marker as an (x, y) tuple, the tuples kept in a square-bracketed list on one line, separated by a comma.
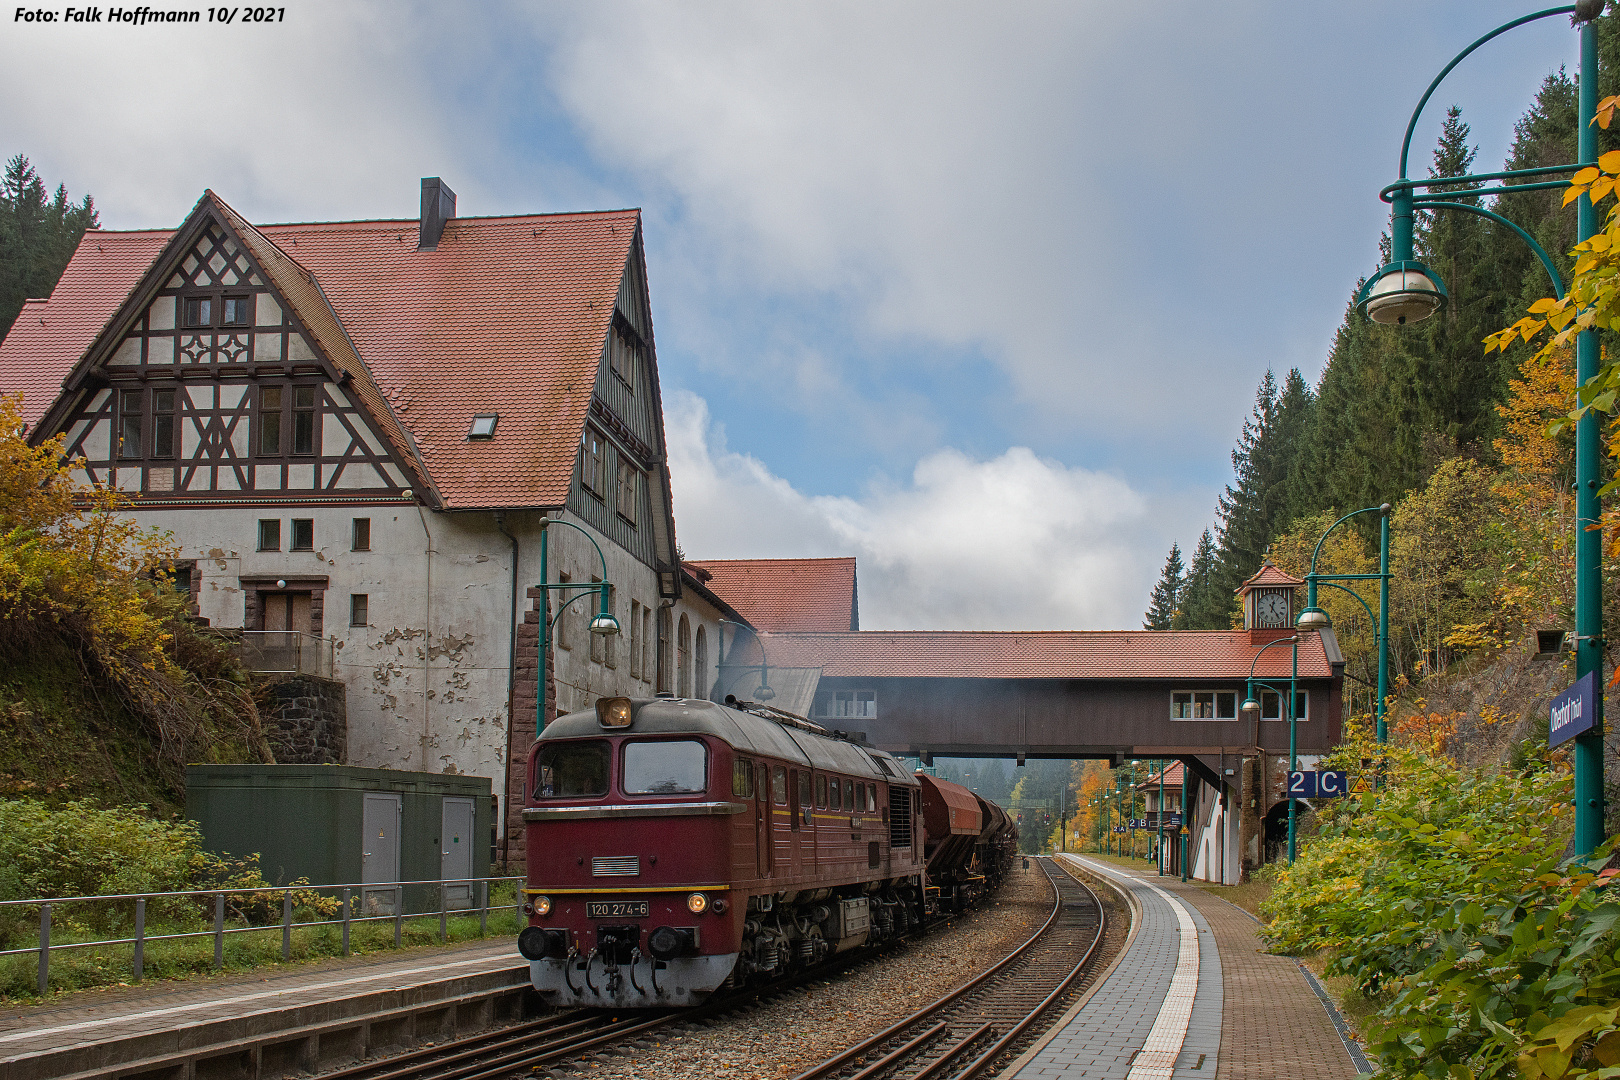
[(1205, 603), (1166, 598), (38, 233)]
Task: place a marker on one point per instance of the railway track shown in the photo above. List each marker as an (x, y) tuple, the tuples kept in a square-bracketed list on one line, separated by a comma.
[(969, 1032), (985, 1019)]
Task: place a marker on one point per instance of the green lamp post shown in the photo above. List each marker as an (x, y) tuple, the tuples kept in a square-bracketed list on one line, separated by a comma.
[(1314, 618), (1159, 851), (1252, 706), (1406, 291), (603, 625)]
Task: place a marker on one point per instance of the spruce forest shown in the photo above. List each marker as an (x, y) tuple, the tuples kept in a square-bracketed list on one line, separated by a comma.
[(1423, 418)]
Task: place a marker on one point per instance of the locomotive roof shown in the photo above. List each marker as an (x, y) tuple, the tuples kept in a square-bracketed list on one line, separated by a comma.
[(741, 730)]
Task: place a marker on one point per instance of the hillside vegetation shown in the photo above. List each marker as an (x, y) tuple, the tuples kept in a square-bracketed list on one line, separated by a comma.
[(107, 687)]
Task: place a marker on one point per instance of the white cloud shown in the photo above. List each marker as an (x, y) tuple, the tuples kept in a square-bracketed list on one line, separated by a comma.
[(1013, 542)]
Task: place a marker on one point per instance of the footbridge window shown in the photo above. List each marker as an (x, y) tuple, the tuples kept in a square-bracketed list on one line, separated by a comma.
[(1203, 705)]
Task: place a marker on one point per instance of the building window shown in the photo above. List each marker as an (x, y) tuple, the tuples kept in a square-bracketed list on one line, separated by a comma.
[(591, 462), (646, 643), (303, 534), (622, 354), (1204, 705), (358, 605), (238, 311), (483, 426), (700, 665), (1271, 705), (560, 633), (269, 534), (270, 421), (683, 659), (635, 639), (303, 420), (360, 539), (627, 487), (661, 649), (163, 423), (129, 423), (200, 311), (846, 705)]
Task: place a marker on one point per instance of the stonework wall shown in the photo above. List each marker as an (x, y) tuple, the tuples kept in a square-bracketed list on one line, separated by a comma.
[(306, 720)]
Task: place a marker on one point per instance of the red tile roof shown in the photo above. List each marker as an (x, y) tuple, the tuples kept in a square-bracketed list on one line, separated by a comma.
[(1172, 779), (1181, 655), (50, 335), (788, 594), (508, 315), (1269, 575)]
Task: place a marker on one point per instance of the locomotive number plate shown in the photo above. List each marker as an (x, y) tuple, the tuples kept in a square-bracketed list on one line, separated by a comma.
[(616, 909)]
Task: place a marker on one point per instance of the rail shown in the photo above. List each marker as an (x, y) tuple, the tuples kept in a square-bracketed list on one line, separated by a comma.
[(283, 652), (455, 895)]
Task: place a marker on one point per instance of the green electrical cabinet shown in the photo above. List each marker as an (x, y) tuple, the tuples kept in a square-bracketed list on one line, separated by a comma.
[(339, 825)]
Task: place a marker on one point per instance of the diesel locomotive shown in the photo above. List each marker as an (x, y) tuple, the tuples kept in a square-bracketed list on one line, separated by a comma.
[(678, 846)]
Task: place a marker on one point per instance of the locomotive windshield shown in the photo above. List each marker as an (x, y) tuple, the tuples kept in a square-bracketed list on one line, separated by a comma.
[(671, 767), (571, 770)]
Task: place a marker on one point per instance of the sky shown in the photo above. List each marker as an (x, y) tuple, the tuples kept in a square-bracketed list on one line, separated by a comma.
[(979, 293)]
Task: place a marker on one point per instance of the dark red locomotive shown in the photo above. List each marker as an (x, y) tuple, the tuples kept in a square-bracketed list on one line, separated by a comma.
[(676, 846)]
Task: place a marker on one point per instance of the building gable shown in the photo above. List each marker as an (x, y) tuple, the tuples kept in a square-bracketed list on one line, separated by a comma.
[(621, 478), (207, 381)]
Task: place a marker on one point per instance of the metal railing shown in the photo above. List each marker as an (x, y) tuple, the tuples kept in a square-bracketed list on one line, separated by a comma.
[(455, 895), (284, 651)]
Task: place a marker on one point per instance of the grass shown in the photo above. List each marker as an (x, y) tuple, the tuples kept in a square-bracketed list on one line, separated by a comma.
[(1248, 896), (113, 965)]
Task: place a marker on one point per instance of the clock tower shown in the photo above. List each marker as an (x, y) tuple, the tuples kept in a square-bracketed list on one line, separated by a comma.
[(1269, 603)]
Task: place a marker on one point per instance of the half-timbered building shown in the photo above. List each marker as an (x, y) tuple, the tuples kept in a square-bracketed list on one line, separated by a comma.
[(354, 430)]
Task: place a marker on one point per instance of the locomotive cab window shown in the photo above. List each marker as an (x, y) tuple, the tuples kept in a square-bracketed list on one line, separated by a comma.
[(779, 785), (821, 792), (666, 767), (572, 770), (849, 794), (834, 802), (742, 778)]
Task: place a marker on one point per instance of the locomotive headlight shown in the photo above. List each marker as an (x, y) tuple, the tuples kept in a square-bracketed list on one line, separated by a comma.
[(542, 905), (697, 903)]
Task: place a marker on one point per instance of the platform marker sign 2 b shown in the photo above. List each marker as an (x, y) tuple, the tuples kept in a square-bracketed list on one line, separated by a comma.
[(1572, 712)]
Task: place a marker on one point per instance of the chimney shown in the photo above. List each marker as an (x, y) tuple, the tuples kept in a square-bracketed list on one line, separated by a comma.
[(438, 207)]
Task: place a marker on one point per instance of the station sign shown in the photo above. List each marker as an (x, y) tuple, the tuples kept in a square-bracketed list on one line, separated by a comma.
[(1572, 712), (1318, 784)]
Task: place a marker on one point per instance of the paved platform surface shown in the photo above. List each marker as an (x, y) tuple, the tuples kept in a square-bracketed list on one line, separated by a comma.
[(1250, 1016), (100, 1016)]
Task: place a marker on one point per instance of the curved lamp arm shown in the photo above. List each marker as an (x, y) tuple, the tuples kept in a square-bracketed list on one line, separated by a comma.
[(1380, 508), (602, 589), (1406, 143), (1541, 252), (764, 691)]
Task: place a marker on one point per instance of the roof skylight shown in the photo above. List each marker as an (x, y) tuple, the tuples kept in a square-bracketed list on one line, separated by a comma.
[(483, 426)]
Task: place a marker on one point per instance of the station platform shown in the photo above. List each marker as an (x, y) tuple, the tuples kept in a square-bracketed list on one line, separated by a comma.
[(238, 1025), (1193, 996)]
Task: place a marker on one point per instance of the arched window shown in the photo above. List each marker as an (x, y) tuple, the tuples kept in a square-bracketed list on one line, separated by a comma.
[(683, 659), (700, 664)]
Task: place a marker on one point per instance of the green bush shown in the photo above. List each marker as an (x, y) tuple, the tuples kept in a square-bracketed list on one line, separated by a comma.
[(1446, 898)]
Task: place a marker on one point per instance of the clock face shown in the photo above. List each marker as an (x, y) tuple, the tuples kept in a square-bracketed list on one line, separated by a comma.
[(1272, 609)]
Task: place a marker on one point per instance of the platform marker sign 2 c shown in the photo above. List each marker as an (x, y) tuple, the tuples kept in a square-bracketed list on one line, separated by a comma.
[(1313, 784)]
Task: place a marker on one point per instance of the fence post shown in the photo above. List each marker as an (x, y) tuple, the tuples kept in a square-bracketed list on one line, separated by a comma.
[(483, 907), (44, 947), (140, 939), (345, 920), (219, 930), (444, 914), (399, 912), (286, 925)]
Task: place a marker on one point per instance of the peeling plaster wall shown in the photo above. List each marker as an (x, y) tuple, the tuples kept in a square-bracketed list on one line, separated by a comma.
[(427, 677)]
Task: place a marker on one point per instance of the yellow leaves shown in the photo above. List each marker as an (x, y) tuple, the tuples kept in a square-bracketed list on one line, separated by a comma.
[(1610, 162), (1605, 113)]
